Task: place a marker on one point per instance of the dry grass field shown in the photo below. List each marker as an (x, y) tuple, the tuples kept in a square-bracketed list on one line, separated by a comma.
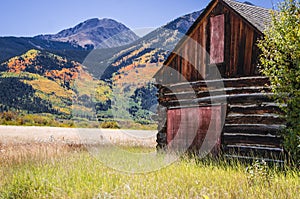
[(62, 168)]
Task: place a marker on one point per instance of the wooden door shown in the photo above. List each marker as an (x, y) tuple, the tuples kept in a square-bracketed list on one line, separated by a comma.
[(188, 128)]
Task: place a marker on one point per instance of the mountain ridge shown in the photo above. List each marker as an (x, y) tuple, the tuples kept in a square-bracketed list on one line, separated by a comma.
[(153, 47), (11, 46), (95, 33)]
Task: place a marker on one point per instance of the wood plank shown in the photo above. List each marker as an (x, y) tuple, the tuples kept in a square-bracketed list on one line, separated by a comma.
[(232, 39), (225, 68), (203, 61), (235, 44), (217, 39), (241, 49), (176, 69), (179, 64), (248, 50), (195, 73), (187, 75), (184, 66)]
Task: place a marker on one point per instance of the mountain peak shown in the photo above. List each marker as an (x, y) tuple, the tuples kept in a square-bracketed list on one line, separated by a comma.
[(94, 23), (95, 32)]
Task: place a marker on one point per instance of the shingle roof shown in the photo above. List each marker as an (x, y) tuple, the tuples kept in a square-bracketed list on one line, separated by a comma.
[(259, 17)]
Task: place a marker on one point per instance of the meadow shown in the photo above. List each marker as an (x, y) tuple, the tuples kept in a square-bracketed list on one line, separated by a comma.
[(24, 119), (47, 170)]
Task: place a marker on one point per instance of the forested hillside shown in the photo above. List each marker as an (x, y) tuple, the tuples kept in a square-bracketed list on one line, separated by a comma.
[(46, 74)]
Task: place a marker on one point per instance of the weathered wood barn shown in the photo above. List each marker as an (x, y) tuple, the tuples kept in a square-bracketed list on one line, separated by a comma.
[(210, 83)]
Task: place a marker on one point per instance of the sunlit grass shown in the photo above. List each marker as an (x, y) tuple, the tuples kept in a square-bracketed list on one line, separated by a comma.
[(69, 171)]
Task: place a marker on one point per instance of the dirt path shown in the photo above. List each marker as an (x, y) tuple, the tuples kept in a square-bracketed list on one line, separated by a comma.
[(21, 134)]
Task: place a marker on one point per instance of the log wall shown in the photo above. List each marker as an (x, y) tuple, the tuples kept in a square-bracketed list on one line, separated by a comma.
[(252, 121)]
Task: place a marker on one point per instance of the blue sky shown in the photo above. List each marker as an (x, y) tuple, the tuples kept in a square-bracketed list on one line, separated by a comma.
[(33, 17)]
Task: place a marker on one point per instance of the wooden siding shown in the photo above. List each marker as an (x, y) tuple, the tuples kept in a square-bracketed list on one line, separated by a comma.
[(192, 61)]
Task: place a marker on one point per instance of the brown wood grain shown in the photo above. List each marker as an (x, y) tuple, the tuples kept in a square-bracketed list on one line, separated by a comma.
[(248, 52), (217, 40), (188, 128)]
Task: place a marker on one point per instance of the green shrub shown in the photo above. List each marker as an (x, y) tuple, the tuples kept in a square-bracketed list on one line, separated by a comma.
[(280, 60), (109, 125)]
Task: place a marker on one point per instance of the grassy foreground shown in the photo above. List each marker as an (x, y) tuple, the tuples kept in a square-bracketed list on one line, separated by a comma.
[(69, 171)]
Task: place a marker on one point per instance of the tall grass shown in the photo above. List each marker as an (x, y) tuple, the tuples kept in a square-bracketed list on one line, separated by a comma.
[(24, 119), (69, 171)]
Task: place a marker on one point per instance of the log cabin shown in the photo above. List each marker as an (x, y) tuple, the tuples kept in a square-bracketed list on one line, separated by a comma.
[(211, 95)]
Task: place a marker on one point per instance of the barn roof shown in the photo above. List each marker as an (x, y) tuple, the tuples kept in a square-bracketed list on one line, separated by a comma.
[(259, 17)]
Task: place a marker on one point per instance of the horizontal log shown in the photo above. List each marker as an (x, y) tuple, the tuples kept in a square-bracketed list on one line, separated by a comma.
[(257, 98), (247, 81), (255, 151), (269, 119), (261, 129), (240, 138), (244, 90), (200, 94), (232, 82), (263, 108), (194, 106), (241, 80)]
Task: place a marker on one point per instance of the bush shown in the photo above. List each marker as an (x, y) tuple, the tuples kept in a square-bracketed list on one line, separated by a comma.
[(280, 61), (109, 125), (9, 116)]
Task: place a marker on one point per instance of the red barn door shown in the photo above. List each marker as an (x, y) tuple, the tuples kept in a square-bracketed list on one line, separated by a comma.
[(193, 128)]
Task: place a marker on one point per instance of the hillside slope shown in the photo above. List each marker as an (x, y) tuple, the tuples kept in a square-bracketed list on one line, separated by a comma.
[(41, 82)]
